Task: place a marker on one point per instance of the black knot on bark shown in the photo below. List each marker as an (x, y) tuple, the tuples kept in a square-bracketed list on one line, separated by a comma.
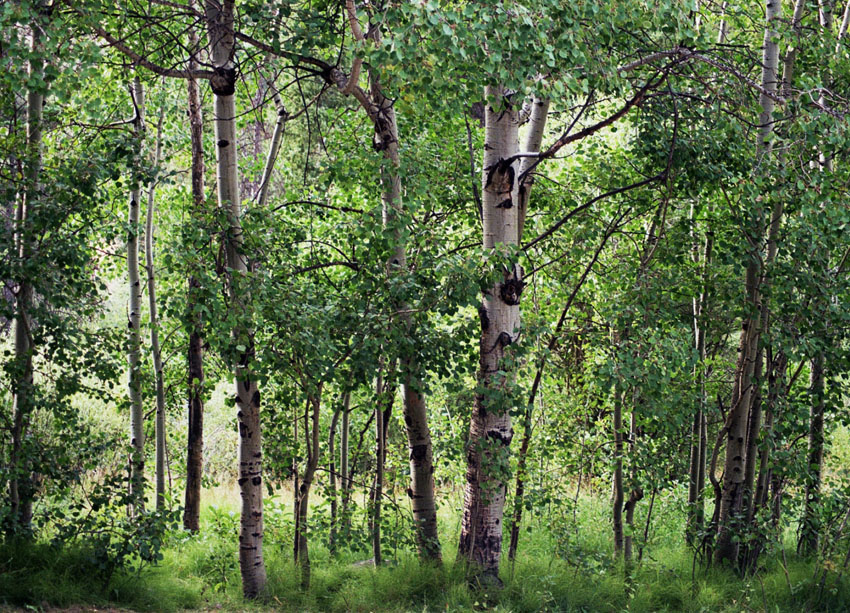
[(223, 143), (485, 319), (496, 435), (223, 81), (418, 452), (510, 290), (256, 480)]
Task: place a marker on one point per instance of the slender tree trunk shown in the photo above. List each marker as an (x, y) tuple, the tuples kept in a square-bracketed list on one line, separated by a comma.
[(311, 437), (490, 433), (618, 495), (274, 146), (533, 140), (220, 17), (156, 353), (332, 481), (635, 496), (696, 482), (378, 492), (810, 528), (21, 487), (195, 356), (732, 493), (345, 482), (134, 310), (810, 525), (421, 492), (522, 456)]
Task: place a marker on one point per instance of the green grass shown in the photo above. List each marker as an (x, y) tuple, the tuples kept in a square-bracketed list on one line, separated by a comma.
[(559, 568)]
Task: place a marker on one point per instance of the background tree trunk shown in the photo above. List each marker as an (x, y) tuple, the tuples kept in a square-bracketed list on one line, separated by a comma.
[(696, 482), (810, 524), (732, 493), (156, 353), (423, 500), (344, 479), (21, 490), (195, 355), (311, 437)]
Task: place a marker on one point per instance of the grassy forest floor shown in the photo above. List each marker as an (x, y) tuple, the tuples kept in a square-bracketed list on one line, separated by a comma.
[(564, 563)]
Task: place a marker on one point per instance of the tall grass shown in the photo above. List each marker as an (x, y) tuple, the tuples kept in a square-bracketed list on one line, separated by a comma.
[(562, 566)]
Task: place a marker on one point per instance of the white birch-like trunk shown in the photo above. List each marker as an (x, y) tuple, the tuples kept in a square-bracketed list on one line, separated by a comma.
[(533, 141), (732, 494), (156, 353), (220, 16), (490, 433), (537, 117), (134, 307), (274, 147), (20, 482)]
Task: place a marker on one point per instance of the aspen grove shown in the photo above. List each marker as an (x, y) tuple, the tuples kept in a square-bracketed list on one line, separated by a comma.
[(425, 305)]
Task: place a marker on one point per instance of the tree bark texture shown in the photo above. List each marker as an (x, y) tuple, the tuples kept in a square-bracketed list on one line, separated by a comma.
[(488, 447), (134, 308), (220, 17), (696, 482)]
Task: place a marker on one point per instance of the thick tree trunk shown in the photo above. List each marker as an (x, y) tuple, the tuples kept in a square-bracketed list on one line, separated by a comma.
[(21, 489), (220, 23), (195, 357), (732, 494), (810, 525), (156, 353), (134, 309), (490, 434)]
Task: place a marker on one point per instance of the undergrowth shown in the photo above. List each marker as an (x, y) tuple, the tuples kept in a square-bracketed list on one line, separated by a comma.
[(557, 569)]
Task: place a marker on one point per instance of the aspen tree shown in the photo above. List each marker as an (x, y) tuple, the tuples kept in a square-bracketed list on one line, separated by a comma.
[(134, 307), (195, 351), (220, 19)]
